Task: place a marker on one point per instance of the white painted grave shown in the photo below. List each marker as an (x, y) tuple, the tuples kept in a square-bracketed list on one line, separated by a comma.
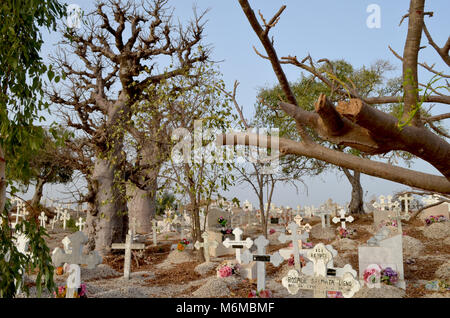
[(343, 219), (237, 243), (206, 245), (261, 258), (296, 240)]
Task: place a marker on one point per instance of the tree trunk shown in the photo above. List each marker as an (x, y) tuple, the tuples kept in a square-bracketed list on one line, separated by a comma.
[(263, 217), (38, 193), (109, 224), (142, 206), (196, 230), (357, 202), (2, 180)]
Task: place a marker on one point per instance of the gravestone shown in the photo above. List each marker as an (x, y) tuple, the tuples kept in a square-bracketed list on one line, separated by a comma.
[(42, 219), (237, 243), (321, 282), (261, 258), (385, 251), (296, 239), (212, 219), (80, 224), (342, 218), (53, 222), (206, 244), (77, 241), (128, 246), (65, 216), (307, 228)]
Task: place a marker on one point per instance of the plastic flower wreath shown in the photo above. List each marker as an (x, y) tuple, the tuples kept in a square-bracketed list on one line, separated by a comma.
[(182, 245), (435, 219), (389, 276), (271, 231), (261, 294), (80, 293), (227, 268), (372, 275), (221, 220)]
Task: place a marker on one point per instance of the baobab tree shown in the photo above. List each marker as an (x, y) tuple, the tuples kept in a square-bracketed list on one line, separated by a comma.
[(109, 63), (354, 122)]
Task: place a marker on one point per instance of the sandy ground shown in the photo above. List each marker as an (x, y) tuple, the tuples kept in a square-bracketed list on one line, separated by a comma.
[(162, 272)]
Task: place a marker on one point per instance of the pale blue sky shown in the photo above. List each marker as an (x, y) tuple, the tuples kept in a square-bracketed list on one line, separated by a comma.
[(322, 28)]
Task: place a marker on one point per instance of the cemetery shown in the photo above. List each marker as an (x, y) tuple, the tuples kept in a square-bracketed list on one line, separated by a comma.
[(150, 179)]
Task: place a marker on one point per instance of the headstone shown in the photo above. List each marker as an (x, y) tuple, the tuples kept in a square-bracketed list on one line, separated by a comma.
[(343, 218), (53, 222), (321, 281), (128, 246), (42, 219), (212, 219), (237, 243), (65, 216), (385, 251), (296, 240), (207, 243), (80, 224), (77, 240), (307, 228), (74, 279), (261, 258)]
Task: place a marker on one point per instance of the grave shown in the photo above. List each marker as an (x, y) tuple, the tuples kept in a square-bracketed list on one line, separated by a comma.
[(261, 258), (246, 270), (385, 251), (441, 209), (342, 218), (128, 247), (215, 231), (296, 239), (42, 219), (322, 280), (207, 244)]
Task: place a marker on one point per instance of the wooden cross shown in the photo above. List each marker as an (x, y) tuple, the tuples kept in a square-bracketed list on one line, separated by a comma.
[(320, 283), (80, 224), (42, 218), (261, 258), (128, 246), (77, 240), (238, 244), (343, 218), (65, 216), (206, 244), (296, 240)]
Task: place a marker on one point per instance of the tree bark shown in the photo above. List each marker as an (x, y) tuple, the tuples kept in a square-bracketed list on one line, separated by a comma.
[(38, 193), (2, 180), (109, 223), (357, 201), (142, 206)]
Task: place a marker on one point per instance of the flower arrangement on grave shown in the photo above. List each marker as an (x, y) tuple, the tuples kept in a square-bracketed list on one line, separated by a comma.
[(372, 275), (265, 293), (271, 231), (228, 268), (59, 270), (437, 285), (80, 293), (182, 245), (307, 244), (222, 222), (291, 261), (388, 223), (345, 233), (389, 276), (435, 219)]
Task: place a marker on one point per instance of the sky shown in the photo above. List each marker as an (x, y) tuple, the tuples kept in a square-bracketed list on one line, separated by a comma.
[(322, 28)]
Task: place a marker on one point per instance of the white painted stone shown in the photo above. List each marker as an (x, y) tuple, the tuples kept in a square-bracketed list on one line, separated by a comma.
[(206, 244)]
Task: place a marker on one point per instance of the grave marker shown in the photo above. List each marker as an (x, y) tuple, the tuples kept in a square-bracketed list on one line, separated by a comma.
[(65, 216), (343, 218), (261, 258), (296, 239), (128, 246), (206, 244), (238, 244), (42, 219), (80, 224)]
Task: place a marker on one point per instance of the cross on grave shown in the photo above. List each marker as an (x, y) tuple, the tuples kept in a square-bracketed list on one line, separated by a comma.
[(42, 219), (261, 258), (154, 232), (74, 279), (343, 218), (406, 198), (65, 216), (59, 211), (296, 238), (19, 205), (206, 244), (53, 222), (381, 206), (77, 240), (134, 223), (307, 228), (238, 244), (128, 246), (80, 223), (320, 283)]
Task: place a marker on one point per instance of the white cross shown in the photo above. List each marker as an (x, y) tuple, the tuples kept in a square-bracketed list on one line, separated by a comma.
[(65, 216), (406, 198), (59, 211), (238, 244), (320, 283), (42, 218), (134, 223), (53, 222), (381, 206), (74, 279), (307, 228), (80, 224), (296, 240), (206, 244), (261, 258), (343, 218), (128, 246)]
